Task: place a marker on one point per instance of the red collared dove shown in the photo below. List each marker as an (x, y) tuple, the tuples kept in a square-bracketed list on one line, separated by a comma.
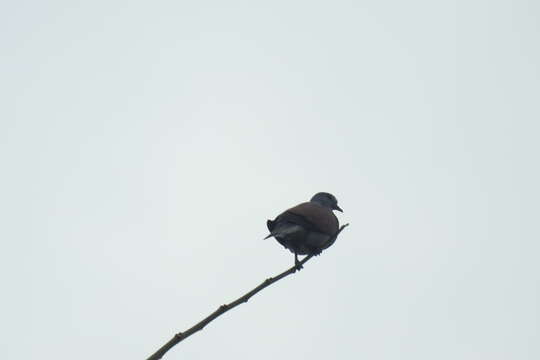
[(308, 228)]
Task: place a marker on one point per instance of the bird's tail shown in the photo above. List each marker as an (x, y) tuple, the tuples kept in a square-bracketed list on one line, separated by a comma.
[(270, 225)]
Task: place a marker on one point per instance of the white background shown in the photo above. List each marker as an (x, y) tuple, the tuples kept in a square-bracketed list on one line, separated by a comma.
[(144, 145)]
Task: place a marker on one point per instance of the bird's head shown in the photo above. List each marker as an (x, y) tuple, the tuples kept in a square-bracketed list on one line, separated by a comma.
[(327, 200)]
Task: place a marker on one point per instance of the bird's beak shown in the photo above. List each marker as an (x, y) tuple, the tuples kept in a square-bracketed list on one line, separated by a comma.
[(338, 208)]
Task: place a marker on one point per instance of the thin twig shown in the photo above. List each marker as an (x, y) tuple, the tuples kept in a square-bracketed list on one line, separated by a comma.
[(224, 308)]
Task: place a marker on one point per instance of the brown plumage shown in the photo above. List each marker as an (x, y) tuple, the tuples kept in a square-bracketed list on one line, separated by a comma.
[(320, 218)]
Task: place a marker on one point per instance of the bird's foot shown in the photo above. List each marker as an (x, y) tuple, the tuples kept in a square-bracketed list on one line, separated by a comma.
[(297, 264)]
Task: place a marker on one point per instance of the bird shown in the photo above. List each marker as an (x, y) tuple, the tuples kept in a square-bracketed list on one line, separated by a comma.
[(307, 228)]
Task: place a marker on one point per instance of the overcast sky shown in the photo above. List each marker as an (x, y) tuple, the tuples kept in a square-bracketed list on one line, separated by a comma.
[(143, 145)]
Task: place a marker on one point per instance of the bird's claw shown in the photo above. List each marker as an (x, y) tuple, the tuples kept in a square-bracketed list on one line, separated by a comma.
[(297, 264)]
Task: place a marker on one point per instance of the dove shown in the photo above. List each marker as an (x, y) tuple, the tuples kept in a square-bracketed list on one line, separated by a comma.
[(307, 228)]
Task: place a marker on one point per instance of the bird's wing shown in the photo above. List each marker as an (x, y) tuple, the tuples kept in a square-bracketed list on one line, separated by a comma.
[(312, 217)]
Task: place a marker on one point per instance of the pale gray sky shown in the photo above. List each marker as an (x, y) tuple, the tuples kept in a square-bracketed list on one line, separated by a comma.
[(144, 144)]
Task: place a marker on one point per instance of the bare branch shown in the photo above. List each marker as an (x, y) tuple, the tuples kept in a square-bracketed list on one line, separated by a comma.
[(224, 308)]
